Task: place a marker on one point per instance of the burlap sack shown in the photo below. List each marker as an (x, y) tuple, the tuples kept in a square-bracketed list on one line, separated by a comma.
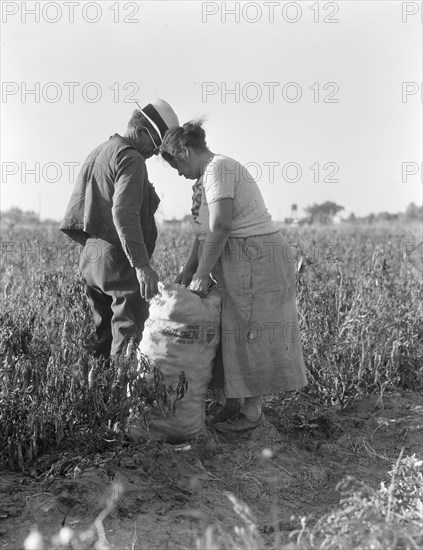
[(182, 333)]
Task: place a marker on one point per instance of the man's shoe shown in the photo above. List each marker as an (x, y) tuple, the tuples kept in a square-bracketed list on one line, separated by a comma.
[(223, 415), (238, 424)]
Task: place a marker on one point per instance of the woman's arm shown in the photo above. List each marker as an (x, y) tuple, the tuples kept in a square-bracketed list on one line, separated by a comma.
[(187, 273), (220, 225)]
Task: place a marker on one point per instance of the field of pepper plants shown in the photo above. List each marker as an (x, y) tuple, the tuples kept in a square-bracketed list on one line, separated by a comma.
[(63, 415)]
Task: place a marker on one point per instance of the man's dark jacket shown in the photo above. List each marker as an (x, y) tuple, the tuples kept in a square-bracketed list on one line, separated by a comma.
[(114, 200)]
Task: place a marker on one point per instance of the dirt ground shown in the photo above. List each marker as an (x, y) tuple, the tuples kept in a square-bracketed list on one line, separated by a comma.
[(165, 496)]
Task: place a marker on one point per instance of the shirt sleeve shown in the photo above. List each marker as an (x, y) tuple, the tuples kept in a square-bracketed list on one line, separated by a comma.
[(219, 180), (130, 183)]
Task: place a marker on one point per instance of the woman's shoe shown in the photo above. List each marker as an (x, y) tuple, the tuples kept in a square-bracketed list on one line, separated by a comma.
[(240, 423), (223, 415)]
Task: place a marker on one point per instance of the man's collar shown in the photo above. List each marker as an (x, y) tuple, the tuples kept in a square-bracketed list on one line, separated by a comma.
[(129, 140)]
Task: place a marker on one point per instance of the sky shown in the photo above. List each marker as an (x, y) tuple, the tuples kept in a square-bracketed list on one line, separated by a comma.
[(320, 100)]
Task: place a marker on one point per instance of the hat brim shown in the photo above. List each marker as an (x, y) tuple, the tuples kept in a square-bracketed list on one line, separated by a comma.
[(154, 118)]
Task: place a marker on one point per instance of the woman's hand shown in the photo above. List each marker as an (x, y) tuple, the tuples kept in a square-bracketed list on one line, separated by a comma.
[(185, 276), (201, 285)]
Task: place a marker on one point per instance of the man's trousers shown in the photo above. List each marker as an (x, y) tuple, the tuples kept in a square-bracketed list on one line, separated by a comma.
[(113, 292)]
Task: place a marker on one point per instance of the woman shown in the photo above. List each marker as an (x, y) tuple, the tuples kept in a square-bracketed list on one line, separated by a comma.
[(238, 245)]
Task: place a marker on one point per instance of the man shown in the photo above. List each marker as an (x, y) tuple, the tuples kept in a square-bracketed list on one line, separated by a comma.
[(111, 212)]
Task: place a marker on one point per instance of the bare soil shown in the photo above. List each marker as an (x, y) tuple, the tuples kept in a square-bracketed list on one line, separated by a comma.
[(165, 496)]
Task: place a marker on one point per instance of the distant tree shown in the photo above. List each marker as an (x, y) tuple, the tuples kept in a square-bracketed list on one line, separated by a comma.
[(50, 221), (16, 216), (325, 212), (413, 212), (387, 216)]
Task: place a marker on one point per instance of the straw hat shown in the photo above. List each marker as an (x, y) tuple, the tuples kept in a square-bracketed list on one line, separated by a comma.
[(160, 115)]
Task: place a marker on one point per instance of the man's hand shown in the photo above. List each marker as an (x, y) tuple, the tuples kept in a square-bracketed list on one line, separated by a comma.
[(148, 280)]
